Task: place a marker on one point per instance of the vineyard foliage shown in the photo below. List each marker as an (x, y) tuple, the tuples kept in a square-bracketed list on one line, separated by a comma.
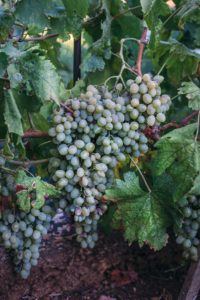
[(36, 75)]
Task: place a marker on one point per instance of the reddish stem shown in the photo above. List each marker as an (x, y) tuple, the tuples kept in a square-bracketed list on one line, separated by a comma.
[(187, 119), (28, 163), (35, 134), (137, 67), (67, 107)]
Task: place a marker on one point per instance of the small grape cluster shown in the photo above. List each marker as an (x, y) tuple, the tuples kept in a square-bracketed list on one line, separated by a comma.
[(100, 129), (6, 180), (188, 235), (22, 233)]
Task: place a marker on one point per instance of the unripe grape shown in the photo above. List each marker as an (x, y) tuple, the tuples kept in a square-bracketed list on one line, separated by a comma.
[(60, 137), (129, 82), (161, 117), (134, 88), (52, 132), (151, 120), (147, 98)]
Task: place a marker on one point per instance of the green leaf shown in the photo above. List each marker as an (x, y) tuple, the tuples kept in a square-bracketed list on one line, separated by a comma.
[(32, 14), (79, 7), (192, 92), (12, 115), (3, 63), (42, 77), (23, 200), (126, 26), (14, 76), (103, 45), (26, 184), (93, 63), (195, 190), (6, 150), (143, 214), (179, 156), (6, 21), (190, 11)]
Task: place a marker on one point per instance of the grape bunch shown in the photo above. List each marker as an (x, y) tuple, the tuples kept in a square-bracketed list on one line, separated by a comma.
[(92, 134), (188, 235), (22, 232)]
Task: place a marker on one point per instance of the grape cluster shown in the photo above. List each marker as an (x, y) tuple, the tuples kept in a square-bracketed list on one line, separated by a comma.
[(188, 235), (22, 233), (102, 127)]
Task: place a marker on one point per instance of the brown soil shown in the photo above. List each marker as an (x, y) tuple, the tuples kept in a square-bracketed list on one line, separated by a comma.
[(112, 270)]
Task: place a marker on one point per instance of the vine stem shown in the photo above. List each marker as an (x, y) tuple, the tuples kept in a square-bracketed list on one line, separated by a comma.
[(137, 67), (183, 123), (188, 118), (126, 11), (40, 38), (172, 15), (198, 123), (28, 163), (145, 182), (4, 78), (35, 134)]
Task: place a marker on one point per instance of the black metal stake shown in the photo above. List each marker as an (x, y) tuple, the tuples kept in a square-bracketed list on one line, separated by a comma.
[(77, 59)]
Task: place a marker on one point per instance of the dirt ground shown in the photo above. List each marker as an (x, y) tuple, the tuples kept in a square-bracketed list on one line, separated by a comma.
[(112, 270)]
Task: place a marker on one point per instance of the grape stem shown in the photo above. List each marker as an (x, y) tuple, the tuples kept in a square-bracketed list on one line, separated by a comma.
[(126, 11), (124, 66), (155, 130), (137, 67), (39, 38), (28, 163), (35, 134), (67, 107), (145, 182)]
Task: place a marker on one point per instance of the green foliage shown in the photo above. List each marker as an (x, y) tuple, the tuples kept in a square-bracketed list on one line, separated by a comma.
[(26, 184), (12, 115), (80, 7), (6, 21), (179, 156), (145, 215), (192, 92)]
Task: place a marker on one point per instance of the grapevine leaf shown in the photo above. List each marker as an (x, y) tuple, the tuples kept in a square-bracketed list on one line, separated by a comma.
[(126, 26), (40, 122), (6, 21), (93, 63), (66, 25), (41, 75), (143, 214), (26, 184), (79, 7), (19, 145), (6, 150), (192, 92), (178, 155), (12, 115), (195, 190), (190, 11), (32, 14), (23, 200), (102, 45), (3, 63), (14, 76)]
